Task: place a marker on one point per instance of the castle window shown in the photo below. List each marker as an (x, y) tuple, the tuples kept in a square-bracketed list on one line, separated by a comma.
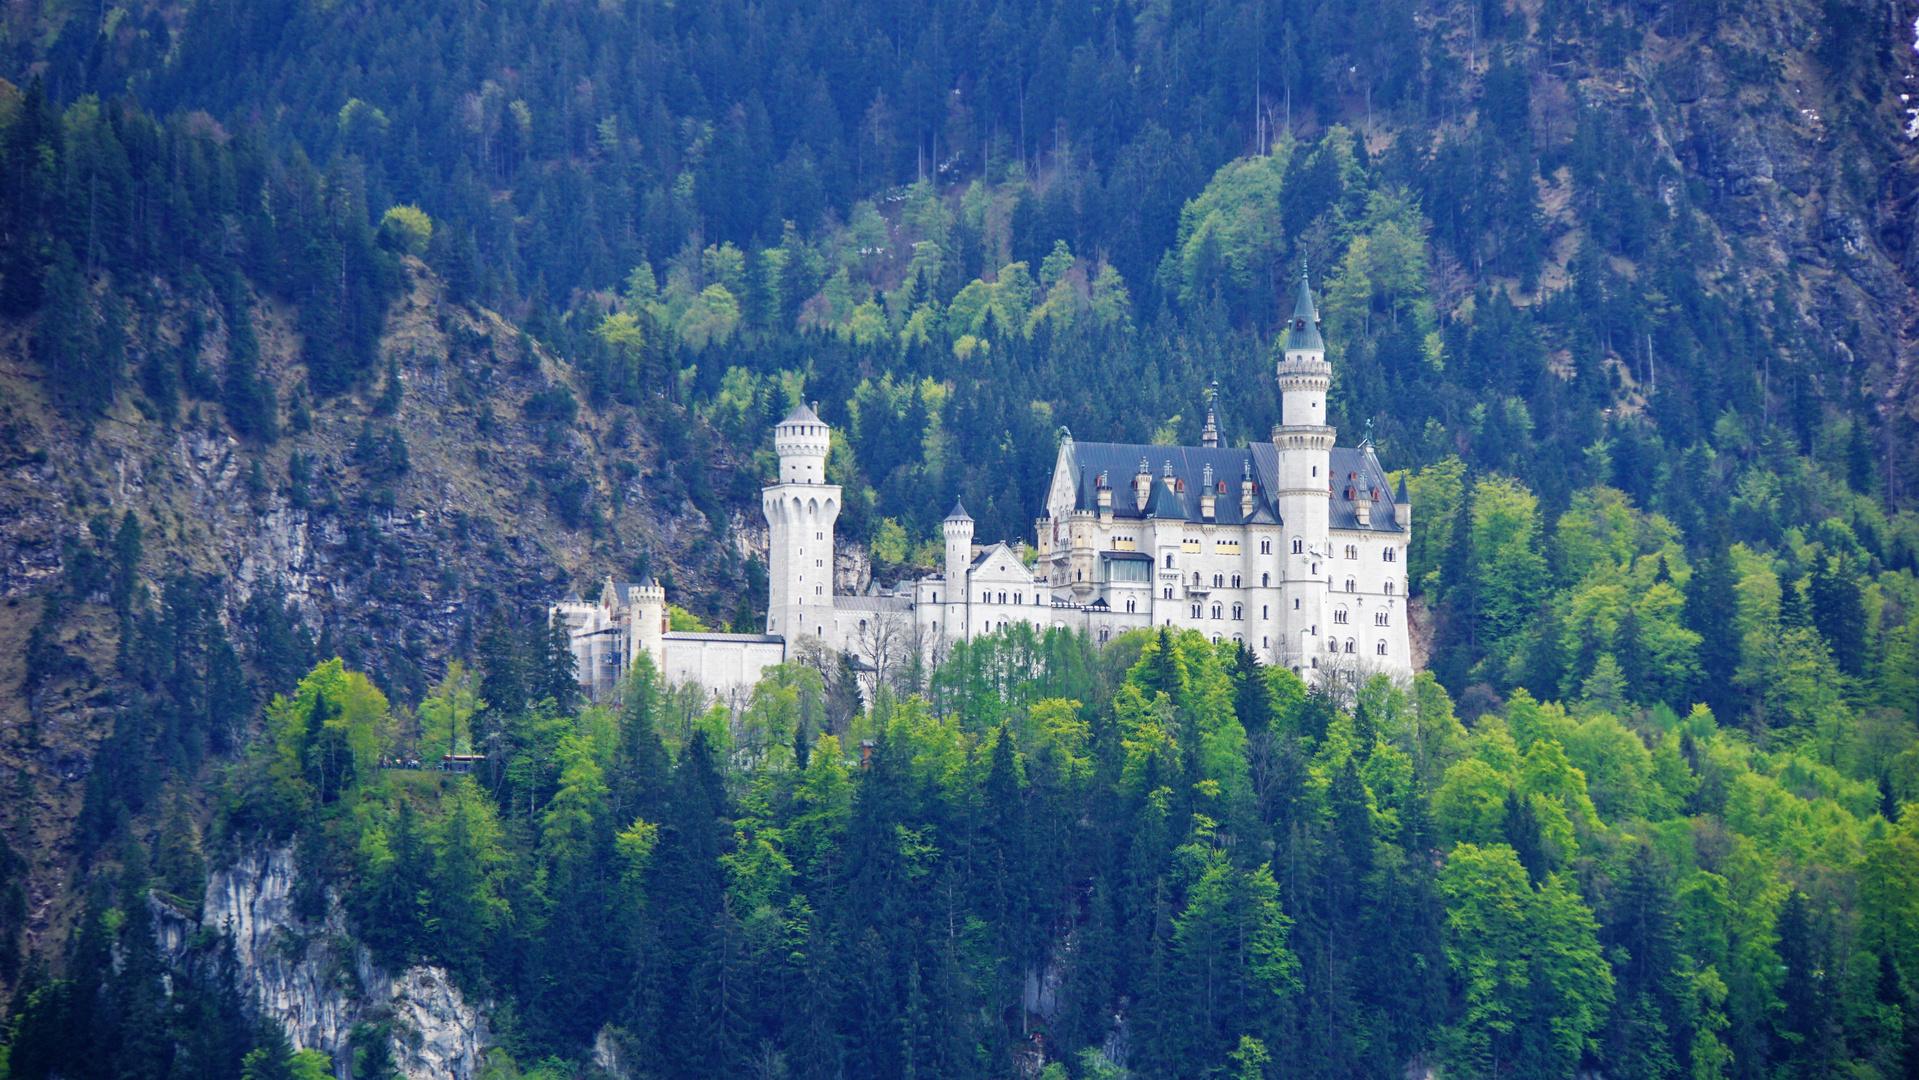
[(1295, 603), (1262, 612), (1129, 607), (1349, 645), (1379, 618), (1351, 585), (1236, 613), (1379, 649), (1195, 579), (1019, 598), (1103, 635), (819, 590), (1352, 551), (1265, 547), (1002, 598), (1219, 580), (1391, 554), (819, 536), (1169, 592), (1299, 546), (1339, 616), (1169, 560), (1265, 580), (1315, 568), (1217, 614), (1235, 581), (819, 562), (1389, 586), (1195, 611)]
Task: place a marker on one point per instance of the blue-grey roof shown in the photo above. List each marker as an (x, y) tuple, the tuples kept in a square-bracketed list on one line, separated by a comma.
[(1302, 330), (749, 639), (1119, 462)]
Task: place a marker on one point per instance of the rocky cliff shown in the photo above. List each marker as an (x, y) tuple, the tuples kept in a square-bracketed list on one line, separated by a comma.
[(310, 976), (394, 522)]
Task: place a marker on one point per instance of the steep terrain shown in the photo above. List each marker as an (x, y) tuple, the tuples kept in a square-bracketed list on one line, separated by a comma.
[(363, 330), (396, 564)]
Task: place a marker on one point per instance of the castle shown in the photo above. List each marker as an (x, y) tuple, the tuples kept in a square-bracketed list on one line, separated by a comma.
[(1294, 547)]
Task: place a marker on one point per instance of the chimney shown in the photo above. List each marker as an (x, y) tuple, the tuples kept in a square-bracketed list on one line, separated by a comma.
[(1246, 488), (1104, 491), (1206, 495), (1142, 485)]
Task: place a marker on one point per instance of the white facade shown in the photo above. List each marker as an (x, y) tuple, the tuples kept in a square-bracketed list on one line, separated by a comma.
[(1293, 546)]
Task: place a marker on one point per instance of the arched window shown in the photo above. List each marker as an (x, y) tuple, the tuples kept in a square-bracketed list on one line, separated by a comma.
[(1265, 547), (1219, 580), (1299, 546), (1129, 606), (1169, 592), (1351, 585), (1339, 616), (1195, 579), (1379, 618), (1349, 645), (1389, 586), (1169, 560), (1235, 581), (1195, 611), (1216, 611), (1352, 551), (1380, 649), (1390, 554), (1265, 581), (1236, 613), (1262, 612)]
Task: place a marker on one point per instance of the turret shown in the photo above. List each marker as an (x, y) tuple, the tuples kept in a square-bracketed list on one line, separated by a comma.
[(801, 509), (649, 622), (1246, 488), (802, 441), (958, 528), (1209, 434), (1206, 497), (1142, 485), (1103, 495), (1403, 507), (1303, 483)]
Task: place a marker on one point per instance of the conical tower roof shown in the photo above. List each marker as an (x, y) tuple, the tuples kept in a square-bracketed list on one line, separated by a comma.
[(1302, 331), (959, 513), (801, 415)]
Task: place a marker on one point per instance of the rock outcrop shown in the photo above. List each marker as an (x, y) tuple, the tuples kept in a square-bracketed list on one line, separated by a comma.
[(310, 976)]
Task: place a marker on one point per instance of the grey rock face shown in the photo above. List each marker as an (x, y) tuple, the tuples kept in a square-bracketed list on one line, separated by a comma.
[(315, 981)]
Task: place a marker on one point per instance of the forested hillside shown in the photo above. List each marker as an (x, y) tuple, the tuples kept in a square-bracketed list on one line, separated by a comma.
[(358, 331)]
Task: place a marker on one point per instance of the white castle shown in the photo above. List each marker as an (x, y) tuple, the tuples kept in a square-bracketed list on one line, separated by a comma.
[(1294, 547)]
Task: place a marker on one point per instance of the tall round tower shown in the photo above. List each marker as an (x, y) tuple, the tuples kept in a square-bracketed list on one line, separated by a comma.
[(800, 511), (1303, 491), (958, 528)]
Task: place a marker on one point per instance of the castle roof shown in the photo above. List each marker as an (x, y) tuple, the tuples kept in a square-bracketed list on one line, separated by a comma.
[(801, 415), (1356, 476), (1302, 331), (958, 512)]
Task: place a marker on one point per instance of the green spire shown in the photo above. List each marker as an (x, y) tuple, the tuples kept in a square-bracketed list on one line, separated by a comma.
[(1302, 331)]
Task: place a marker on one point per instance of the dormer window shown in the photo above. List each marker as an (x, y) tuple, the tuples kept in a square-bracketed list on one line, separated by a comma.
[(1299, 325)]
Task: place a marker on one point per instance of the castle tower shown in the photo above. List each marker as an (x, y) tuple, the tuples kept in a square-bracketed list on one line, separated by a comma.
[(1303, 488), (958, 528), (800, 511), (648, 628)]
